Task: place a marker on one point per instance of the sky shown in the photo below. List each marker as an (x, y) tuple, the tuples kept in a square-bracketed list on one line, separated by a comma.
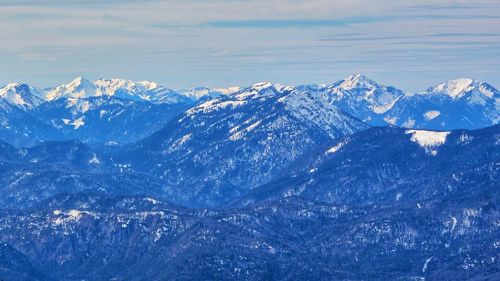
[(185, 43)]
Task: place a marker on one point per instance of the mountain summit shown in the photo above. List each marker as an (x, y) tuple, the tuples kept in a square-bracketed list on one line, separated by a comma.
[(458, 88), (358, 96), (126, 89), (460, 103), (21, 95)]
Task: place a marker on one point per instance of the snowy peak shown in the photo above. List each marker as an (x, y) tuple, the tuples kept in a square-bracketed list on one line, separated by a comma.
[(268, 86), (228, 91), (455, 104), (121, 88), (262, 90), (461, 87), (357, 81), (127, 89), (79, 81), (21, 95), (82, 88), (261, 85), (362, 97), (257, 93), (77, 88), (150, 85), (454, 88)]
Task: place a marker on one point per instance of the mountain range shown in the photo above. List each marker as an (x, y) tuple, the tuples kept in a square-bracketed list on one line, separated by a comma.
[(383, 203), (119, 180), (122, 111)]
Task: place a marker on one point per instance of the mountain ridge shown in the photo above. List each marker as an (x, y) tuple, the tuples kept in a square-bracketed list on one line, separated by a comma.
[(454, 104)]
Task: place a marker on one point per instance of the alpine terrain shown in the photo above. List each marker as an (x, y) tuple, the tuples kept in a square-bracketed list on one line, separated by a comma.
[(115, 179)]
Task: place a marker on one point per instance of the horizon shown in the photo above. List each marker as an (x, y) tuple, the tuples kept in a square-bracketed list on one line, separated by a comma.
[(425, 88), (185, 44)]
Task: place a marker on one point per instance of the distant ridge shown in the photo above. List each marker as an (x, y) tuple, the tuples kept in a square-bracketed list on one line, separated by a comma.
[(123, 111)]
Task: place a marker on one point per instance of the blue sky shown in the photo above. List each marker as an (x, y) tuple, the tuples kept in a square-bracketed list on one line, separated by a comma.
[(184, 43)]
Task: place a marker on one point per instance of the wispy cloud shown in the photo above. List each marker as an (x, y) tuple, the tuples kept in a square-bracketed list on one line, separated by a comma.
[(343, 22), (457, 34), (293, 23), (440, 7)]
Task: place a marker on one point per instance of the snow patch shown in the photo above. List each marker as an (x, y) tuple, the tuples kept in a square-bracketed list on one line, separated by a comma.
[(240, 134), (94, 159), (398, 196), (152, 201), (214, 105), (465, 139), (76, 123), (69, 216), (453, 223), (424, 268), (184, 139), (178, 143), (428, 139), (336, 147), (429, 115)]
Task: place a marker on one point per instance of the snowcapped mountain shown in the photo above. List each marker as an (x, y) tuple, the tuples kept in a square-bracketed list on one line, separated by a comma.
[(81, 106), (455, 104), (21, 95), (375, 97), (81, 88), (461, 103), (238, 142), (105, 110), (312, 188), (462, 87), (144, 90), (77, 88), (359, 96)]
